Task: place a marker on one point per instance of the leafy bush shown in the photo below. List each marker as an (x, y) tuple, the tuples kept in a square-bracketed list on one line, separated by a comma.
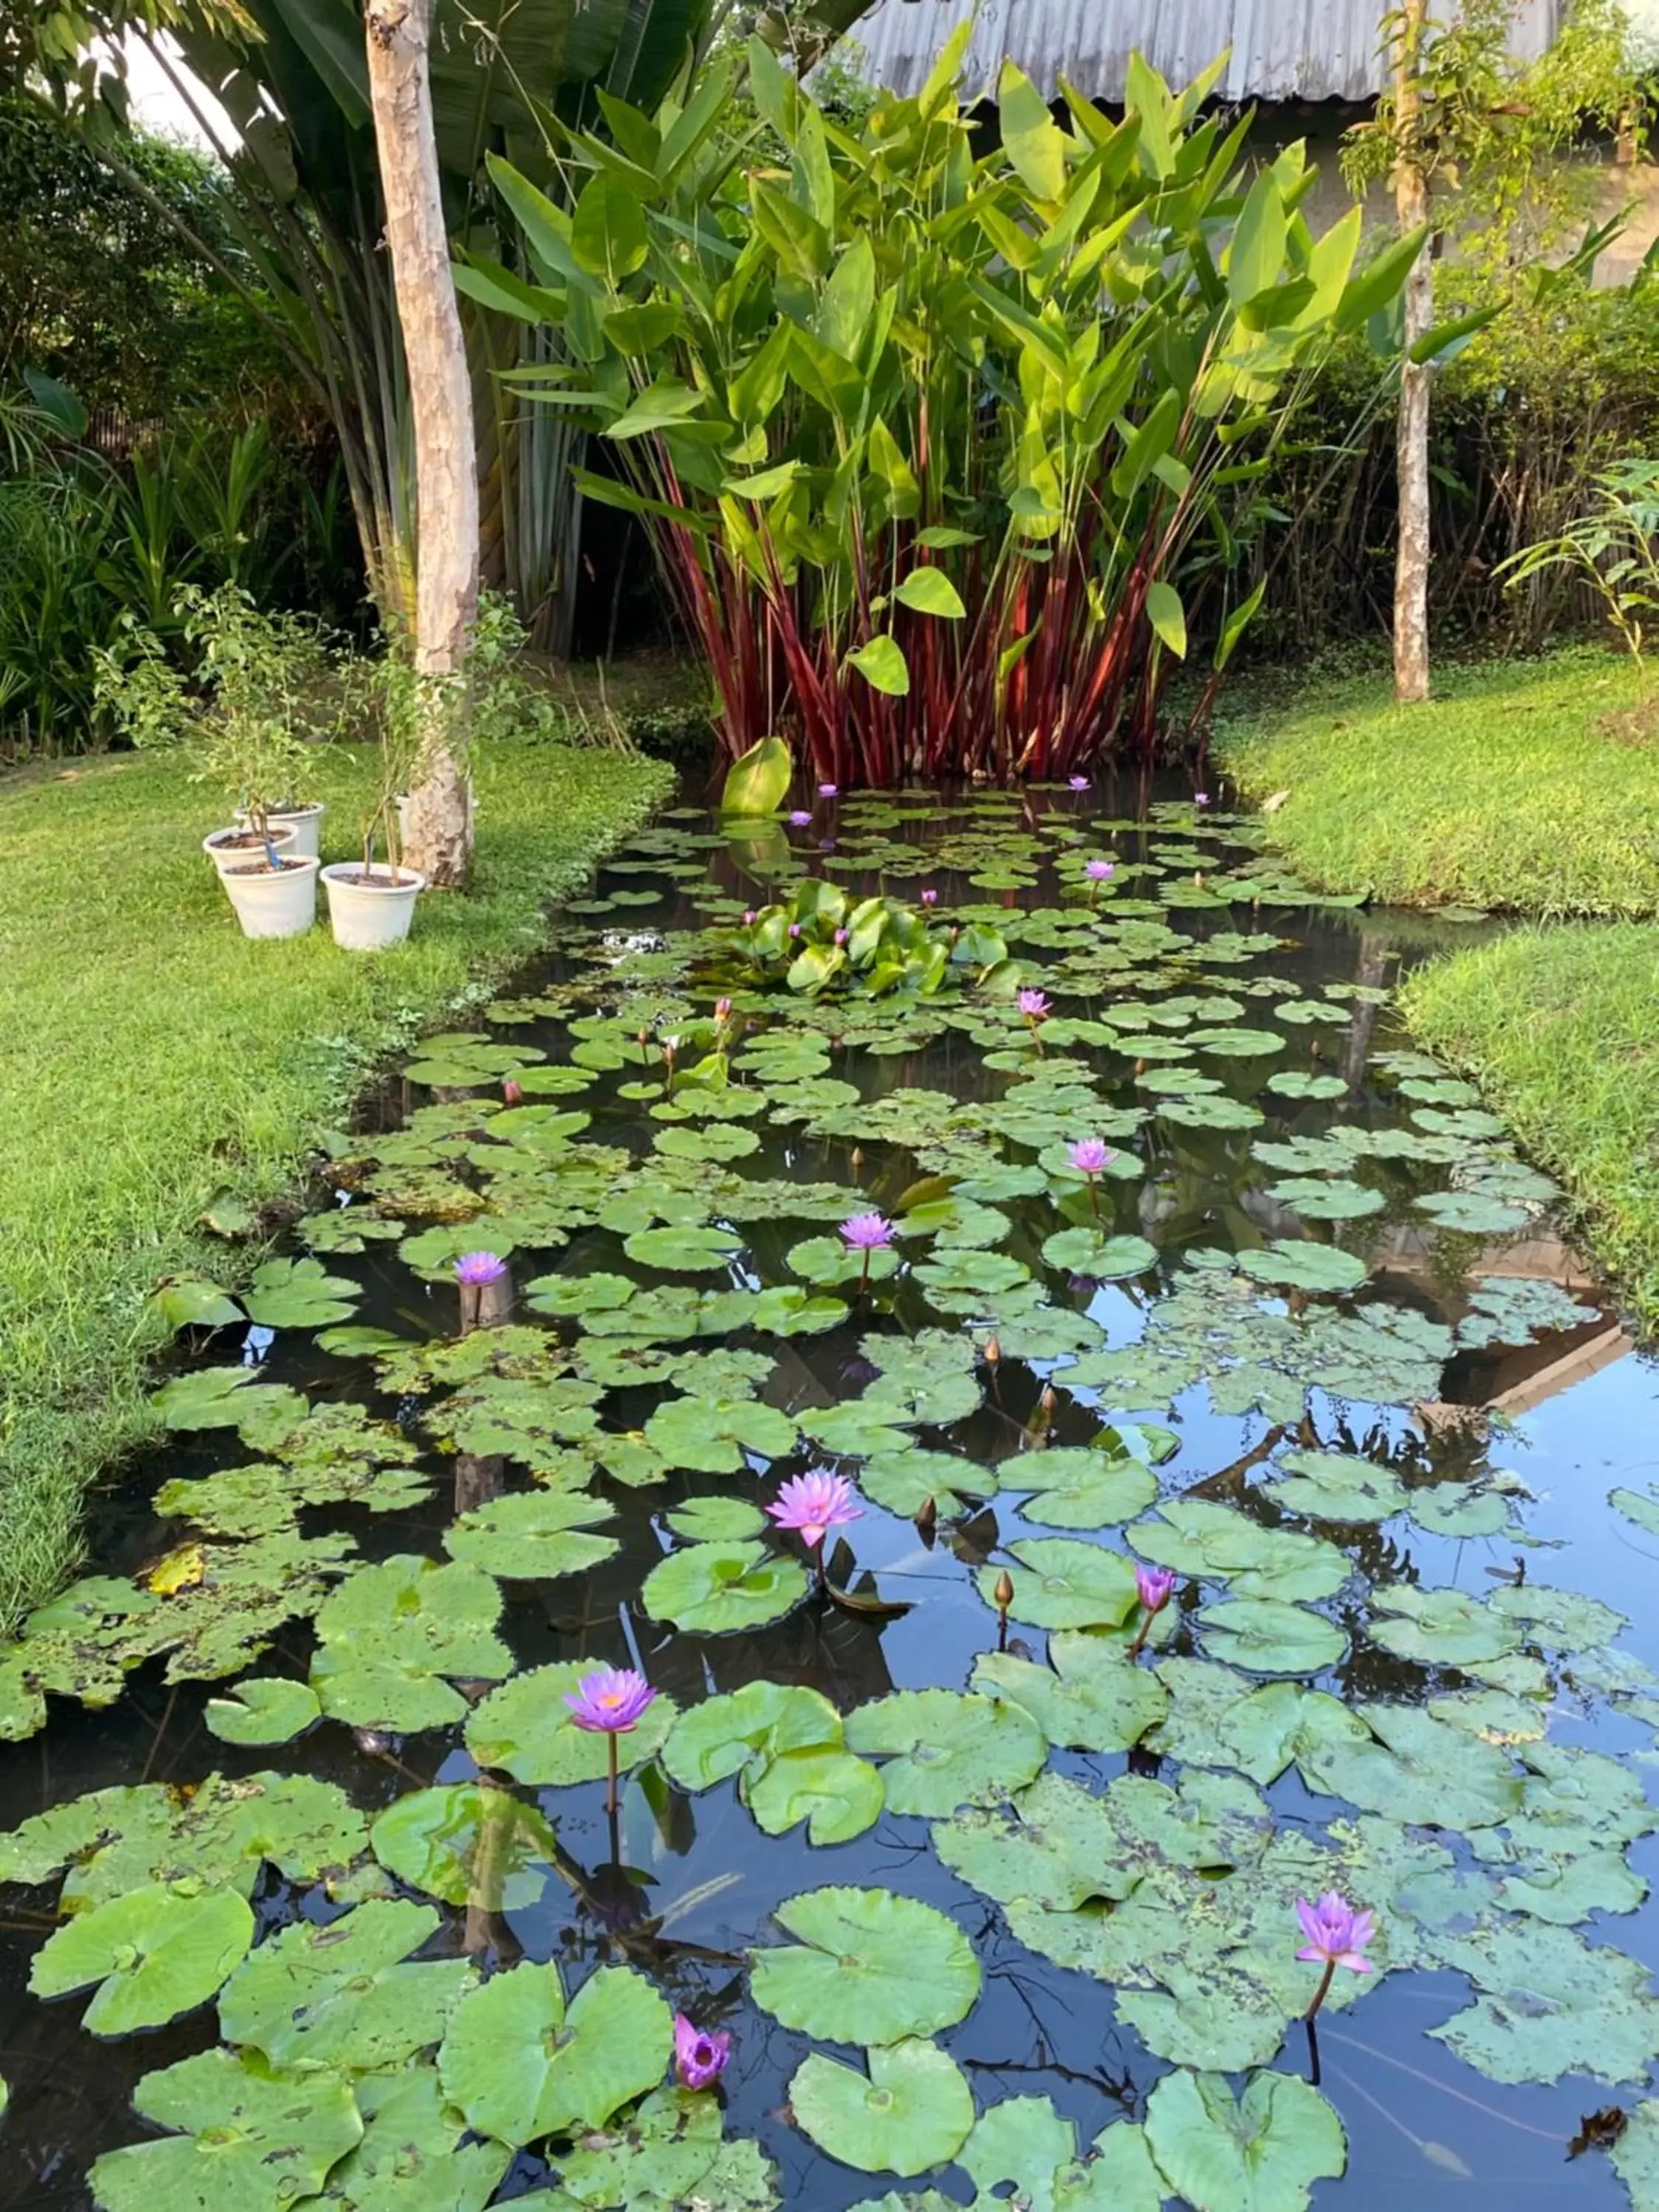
[(820, 937), (927, 440)]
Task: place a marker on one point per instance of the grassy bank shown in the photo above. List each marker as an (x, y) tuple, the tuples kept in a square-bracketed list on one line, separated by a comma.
[(1524, 785), (153, 1061), (1561, 1026)]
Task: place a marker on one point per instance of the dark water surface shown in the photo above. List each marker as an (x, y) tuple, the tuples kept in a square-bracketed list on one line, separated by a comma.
[(1567, 1410)]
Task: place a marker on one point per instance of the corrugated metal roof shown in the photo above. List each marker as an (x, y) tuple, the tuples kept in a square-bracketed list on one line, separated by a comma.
[(1277, 49)]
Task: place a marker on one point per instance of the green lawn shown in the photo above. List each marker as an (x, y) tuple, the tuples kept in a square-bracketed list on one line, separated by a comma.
[(1561, 1026), (152, 1059), (1521, 785)]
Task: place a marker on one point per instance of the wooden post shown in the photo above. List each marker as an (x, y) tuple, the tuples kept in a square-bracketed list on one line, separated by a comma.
[(397, 33)]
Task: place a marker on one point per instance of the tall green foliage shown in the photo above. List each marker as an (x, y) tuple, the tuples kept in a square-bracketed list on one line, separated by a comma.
[(930, 438)]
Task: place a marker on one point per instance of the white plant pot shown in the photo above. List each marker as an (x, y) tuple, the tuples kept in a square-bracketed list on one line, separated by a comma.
[(224, 856), (304, 822), (368, 916), (280, 905)]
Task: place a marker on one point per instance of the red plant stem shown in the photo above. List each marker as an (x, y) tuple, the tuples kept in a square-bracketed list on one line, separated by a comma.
[(1321, 1992)]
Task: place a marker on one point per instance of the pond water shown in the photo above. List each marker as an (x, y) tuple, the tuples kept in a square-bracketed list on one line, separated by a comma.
[(1313, 1339)]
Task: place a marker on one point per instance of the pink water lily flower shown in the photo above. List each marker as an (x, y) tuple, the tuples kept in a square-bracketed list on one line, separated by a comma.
[(1337, 1934), (866, 1232), (476, 1270), (800, 818), (1033, 1005), (828, 790), (1099, 871), (1153, 1586), (699, 2058), (1091, 1155), (930, 897), (814, 1504), (611, 1701)]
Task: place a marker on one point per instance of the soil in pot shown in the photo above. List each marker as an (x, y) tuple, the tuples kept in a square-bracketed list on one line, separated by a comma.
[(231, 848)]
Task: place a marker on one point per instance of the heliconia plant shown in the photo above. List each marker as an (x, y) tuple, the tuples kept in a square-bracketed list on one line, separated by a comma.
[(930, 442)]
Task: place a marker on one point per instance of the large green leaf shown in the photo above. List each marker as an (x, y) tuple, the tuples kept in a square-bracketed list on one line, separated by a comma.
[(944, 1750), (468, 1844), (758, 781), (342, 1996), (255, 2139), (526, 1729), (1088, 1698), (155, 1953), (710, 1590), (870, 1967), (520, 2065), (913, 2110), (1260, 2152), (1061, 1583)]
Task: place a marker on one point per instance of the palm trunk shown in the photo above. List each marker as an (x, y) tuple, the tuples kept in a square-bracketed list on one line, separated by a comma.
[(1411, 191), (439, 839)]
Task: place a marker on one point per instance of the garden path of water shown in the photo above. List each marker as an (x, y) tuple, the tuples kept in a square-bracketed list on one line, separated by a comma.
[(1316, 1341)]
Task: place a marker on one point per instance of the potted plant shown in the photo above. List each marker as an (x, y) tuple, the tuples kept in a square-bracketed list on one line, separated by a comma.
[(371, 904)]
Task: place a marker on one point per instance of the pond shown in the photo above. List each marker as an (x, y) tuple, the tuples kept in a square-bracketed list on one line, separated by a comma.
[(989, 1874)]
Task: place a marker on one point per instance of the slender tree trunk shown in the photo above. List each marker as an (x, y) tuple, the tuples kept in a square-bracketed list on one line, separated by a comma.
[(1411, 193), (440, 835)]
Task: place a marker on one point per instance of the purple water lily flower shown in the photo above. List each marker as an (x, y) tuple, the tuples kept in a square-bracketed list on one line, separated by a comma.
[(476, 1270), (1337, 1934), (828, 790), (840, 937), (749, 917), (1034, 1005), (930, 897), (1099, 871), (611, 1701), (865, 1232), (1078, 782), (800, 818), (814, 1504), (1090, 1156), (795, 929), (1153, 1587), (1201, 798), (699, 2058)]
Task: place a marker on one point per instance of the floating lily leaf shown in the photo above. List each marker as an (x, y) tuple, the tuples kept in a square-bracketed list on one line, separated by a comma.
[(527, 1730), (1297, 1082), (1317, 1199), (669, 2153), (944, 1750), (1399, 1760), (192, 1302), (741, 1732), (870, 1967), (391, 1633), (714, 1141), (1268, 1636), (1550, 2004), (685, 1250), (298, 1294), (221, 1398), (1640, 1506), (710, 1590), (343, 1996), (1215, 1721), (1102, 1258), (1260, 2153), (1080, 1487), (1459, 1509), (718, 1521), (904, 1482), (1560, 1619), (468, 1844), (1061, 1583), (1304, 1266), (711, 1434), (412, 2158), (531, 1536), (913, 2112), (1198, 1536), (578, 1294), (1338, 1486), (1635, 2155), (829, 1260), (519, 2065), (1473, 1212), (1439, 1627), (836, 1795), (258, 2140), (1089, 1698), (155, 1953), (263, 1709)]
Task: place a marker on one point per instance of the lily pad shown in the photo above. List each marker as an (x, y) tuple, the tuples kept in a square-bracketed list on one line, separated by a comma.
[(259, 2140), (912, 2112), (155, 1953), (1075, 1486), (944, 1750), (1088, 1698), (519, 2065), (1260, 2152), (391, 1633), (343, 1996), (1102, 1258), (526, 1729), (1268, 1636), (531, 1536), (869, 1967), (468, 1844), (1061, 1583), (712, 1589), (263, 1709)]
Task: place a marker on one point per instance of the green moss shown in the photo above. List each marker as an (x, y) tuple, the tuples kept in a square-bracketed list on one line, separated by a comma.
[(1526, 786), (152, 1059), (1561, 1026)]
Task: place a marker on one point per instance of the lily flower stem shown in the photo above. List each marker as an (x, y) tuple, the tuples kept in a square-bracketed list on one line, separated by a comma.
[(1141, 1634), (1002, 1631), (1094, 1196), (610, 1793), (1321, 1992)]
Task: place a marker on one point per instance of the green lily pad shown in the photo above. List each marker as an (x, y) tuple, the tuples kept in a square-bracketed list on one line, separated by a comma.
[(1635, 2156), (1082, 1486), (668, 2152), (1550, 2004), (1297, 1082), (391, 1633), (1200, 1537), (531, 1536), (412, 2158), (468, 1844), (1268, 1636), (1062, 1582), (905, 1482), (1088, 1698), (690, 1250), (1304, 1266), (944, 1750), (520, 2065), (870, 1967), (912, 2112), (1260, 2152), (711, 1435), (526, 1729), (263, 1709), (1320, 1200), (344, 1996), (712, 1589), (1102, 1258), (298, 1294), (259, 2140), (1338, 1486), (157, 1952), (1439, 1627), (1398, 1759)]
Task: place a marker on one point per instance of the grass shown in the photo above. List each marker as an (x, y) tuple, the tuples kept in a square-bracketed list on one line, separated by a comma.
[(1561, 1026), (1522, 786), (154, 1061)]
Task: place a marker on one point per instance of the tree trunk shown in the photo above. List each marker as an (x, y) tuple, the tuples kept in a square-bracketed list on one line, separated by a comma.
[(439, 831), (1411, 193)]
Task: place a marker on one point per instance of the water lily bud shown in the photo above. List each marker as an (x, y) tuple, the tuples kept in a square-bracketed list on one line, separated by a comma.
[(928, 1515), (749, 917), (1004, 1592), (643, 1038), (512, 1093), (857, 1159), (722, 1011), (1047, 1401), (993, 1350)]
